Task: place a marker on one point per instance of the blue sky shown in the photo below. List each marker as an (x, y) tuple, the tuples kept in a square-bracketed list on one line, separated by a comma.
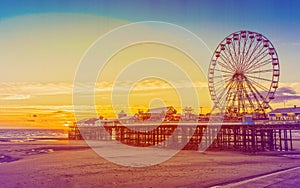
[(277, 16), (181, 11), (210, 20)]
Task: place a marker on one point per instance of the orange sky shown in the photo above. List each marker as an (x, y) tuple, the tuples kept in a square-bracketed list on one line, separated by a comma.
[(39, 55)]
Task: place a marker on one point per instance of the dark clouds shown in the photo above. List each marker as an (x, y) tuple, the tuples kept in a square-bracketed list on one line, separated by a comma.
[(286, 93)]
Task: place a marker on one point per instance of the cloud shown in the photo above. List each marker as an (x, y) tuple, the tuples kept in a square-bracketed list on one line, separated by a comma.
[(11, 90), (16, 97), (150, 84), (30, 90), (285, 94)]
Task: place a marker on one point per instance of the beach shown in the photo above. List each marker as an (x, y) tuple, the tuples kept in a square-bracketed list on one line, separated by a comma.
[(64, 163)]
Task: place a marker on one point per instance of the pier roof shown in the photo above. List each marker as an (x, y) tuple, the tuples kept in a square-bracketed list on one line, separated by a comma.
[(286, 110), (165, 110)]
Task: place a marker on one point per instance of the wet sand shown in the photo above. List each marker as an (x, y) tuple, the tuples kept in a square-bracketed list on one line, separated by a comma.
[(74, 164)]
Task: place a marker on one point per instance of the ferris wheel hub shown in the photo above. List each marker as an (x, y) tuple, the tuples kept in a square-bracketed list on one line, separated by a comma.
[(239, 77)]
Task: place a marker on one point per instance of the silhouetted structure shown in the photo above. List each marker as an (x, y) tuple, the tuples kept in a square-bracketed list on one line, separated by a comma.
[(155, 114), (232, 136), (285, 114)]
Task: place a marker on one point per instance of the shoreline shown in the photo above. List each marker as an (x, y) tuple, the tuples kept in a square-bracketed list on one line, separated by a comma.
[(50, 145)]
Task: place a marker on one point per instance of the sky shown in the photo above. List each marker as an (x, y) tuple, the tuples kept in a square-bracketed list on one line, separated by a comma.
[(43, 42)]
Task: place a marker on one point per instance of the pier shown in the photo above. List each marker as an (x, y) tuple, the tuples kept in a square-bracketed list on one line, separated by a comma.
[(270, 136)]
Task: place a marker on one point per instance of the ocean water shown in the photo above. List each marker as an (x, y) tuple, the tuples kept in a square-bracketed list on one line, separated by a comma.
[(7, 135)]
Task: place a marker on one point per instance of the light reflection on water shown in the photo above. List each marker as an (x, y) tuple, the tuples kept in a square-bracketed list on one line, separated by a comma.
[(20, 135)]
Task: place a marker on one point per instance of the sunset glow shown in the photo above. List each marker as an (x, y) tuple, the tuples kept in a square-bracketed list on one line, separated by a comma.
[(41, 49)]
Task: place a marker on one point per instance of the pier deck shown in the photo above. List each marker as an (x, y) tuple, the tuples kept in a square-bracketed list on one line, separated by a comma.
[(273, 136)]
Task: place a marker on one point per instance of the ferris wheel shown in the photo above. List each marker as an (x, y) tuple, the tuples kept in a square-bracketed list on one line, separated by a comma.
[(244, 73)]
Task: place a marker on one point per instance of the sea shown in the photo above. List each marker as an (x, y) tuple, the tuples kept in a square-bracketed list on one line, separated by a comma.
[(26, 135)]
